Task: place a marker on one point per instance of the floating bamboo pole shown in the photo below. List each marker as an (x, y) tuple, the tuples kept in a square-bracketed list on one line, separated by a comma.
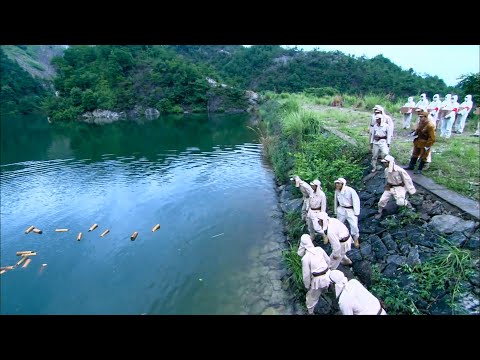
[(134, 236), (29, 229), (156, 227), (24, 252), (79, 236), (21, 260), (93, 227), (7, 268), (26, 263), (61, 230), (37, 231), (105, 233)]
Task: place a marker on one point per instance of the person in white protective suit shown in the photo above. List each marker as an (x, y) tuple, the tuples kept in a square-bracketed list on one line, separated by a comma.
[(317, 203), (380, 139), (423, 102), (407, 118), (446, 122), (398, 183), (315, 271), (422, 105), (337, 234), (306, 191), (346, 206), (377, 109), (433, 108), (353, 297), (445, 105), (453, 114), (463, 114)]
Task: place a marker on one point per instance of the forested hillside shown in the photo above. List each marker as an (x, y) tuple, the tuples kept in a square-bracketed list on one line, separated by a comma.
[(20, 92), (197, 78), (121, 78), (271, 67)]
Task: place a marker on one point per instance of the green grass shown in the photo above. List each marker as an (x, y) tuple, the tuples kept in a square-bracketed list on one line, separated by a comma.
[(448, 269), (294, 263), (455, 161), (396, 299)]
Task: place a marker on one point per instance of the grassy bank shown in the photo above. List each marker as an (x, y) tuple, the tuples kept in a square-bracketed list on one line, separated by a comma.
[(295, 143), (455, 161)]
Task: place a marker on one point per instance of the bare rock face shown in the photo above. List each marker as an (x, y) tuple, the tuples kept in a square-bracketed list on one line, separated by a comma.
[(100, 116), (152, 113)]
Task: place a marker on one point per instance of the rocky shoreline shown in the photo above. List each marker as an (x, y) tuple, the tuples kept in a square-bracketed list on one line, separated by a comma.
[(401, 239)]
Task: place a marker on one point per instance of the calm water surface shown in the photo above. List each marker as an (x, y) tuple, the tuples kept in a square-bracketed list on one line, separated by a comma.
[(201, 178)]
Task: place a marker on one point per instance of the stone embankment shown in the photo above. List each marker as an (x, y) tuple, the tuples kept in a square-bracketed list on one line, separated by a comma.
[(403, 238)]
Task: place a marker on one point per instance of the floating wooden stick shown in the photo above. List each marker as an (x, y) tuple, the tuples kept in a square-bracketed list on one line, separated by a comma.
[(26, 263), (134, 236), (79, 236), (30, 254), (37, 231), (156, 227), (93, 227), (61, 230), (105, 233), (21, 260), (7, 268), (29, 229), (24, 252)]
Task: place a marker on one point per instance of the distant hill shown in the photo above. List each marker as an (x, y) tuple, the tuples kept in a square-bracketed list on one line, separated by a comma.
[(271, 67), (35, 59), (195, 78)]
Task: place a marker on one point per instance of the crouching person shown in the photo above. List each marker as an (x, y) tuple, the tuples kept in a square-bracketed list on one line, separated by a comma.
[(353, 297), (339, 237), (398, 183), (315, 270)]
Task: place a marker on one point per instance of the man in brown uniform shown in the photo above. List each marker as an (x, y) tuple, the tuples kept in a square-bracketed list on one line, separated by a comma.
[(423, 141)]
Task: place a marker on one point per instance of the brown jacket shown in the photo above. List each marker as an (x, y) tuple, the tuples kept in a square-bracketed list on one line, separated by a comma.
[(426, 134)]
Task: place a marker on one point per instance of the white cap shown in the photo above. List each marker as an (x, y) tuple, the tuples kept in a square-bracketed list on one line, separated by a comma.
[(340, 281)]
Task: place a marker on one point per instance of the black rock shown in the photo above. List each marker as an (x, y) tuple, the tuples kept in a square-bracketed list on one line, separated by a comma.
[(390, 270), (389, 242), (363, 271), (457, 238), (355, 255), (378, 247)]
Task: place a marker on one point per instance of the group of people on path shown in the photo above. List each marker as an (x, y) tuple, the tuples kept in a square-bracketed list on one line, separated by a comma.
[(381, 136), (431, 116), (319, 270), (317, 265), (446, 115)]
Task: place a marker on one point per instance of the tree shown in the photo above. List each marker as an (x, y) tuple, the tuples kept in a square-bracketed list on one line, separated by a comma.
[(470, 84)]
